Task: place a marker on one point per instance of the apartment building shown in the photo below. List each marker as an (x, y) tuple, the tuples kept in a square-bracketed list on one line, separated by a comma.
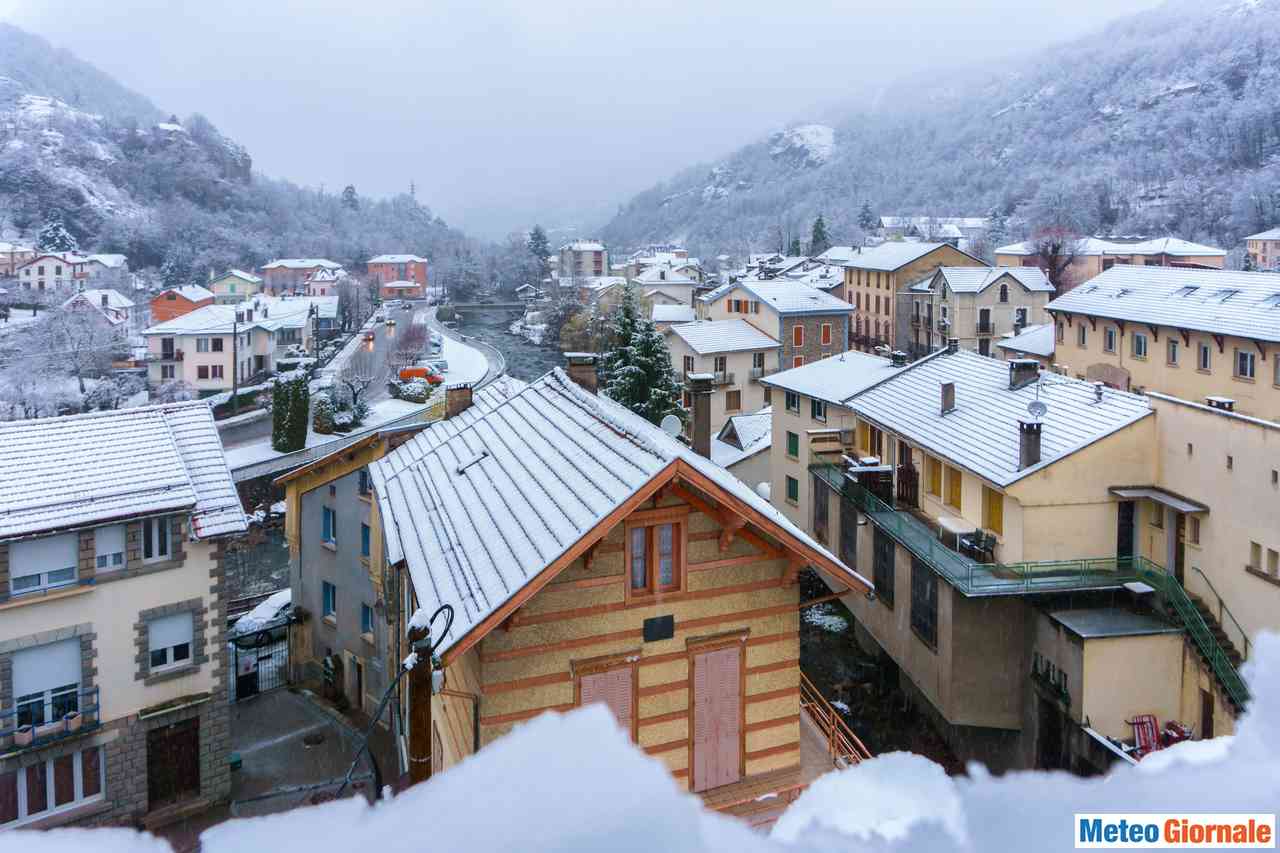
[(176, 301), (971, 503), (676, 281), (875, 276), (624, 570), (582, 259), (742, 446), (235, 286), (399, 269), (289, 275), (1263, 249), (13, 256), (52, 271), (975, 305), (204, 347), (1190, 333), (810, 324), (1092, 256), (736, 354), (106, 271), (113, 309), (325, 282), (113, 674)]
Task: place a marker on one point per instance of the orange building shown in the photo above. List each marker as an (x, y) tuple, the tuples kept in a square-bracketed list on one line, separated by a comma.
[(176, 301), (385, 269)]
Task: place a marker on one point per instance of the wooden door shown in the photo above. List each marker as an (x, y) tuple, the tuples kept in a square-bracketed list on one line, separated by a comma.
[(615, 688), (173, 763), (1179, 547), (717, 718)]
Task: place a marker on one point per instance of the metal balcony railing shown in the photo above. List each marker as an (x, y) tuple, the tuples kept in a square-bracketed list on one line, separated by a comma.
[(28, 725), (981, 579), (722, 377), (984, 327), (843, 746), (758, 373)]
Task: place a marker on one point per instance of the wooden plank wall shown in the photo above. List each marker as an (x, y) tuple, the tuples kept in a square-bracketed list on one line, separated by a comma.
[(526, 668)]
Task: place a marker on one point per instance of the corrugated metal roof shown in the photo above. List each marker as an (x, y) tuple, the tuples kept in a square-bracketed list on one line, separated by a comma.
[(836, 378), (711, 336), (478, 515), (978, 279), (1223, 302), (890, 256), (981, 433), (82, 469)]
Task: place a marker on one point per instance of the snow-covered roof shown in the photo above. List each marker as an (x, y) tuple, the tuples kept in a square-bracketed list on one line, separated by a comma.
[(836, 378), (1271, 234), (674, 314), (784, 297), (935, 221), (397, 259), (264, 614), (11, 248), (711, 336), (599, 282), (302, 264), (583, 246), (1033, 340), (269, 312), (836, 255), (114, 262), (69, 258), (114, 299), (326, 275), (86, 469), (664, 274), (1125, 246), (978, 279), (403, 285), (743, 436), (821, 276), (478, 516), (981, 433), (1222, 302), (193, 292), (241, 274), (891, 255)]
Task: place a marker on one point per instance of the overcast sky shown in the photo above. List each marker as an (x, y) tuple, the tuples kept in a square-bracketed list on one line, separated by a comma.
[(504, 112)]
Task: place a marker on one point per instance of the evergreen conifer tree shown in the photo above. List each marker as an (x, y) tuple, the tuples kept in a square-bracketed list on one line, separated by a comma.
[(299, 419), (866, 219), (794, 249), (820, 241), (290, 412), (638, 371), (350, 200), (280, 412), (540, 247), (54, 236)]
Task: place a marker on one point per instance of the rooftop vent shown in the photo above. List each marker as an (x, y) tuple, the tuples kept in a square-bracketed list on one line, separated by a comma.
[(1097, 391), (1223, 404), (948, 397), (898, 358), (1023, 372), (953, 345)]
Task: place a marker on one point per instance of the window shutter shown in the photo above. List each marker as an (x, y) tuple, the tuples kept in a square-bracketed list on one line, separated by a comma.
[(702, 758), (45, 667), (46, 554), (612, 689), (169, 631)]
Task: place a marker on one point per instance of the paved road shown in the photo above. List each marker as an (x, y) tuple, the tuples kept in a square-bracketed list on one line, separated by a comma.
[(383, 343), (497, 362)]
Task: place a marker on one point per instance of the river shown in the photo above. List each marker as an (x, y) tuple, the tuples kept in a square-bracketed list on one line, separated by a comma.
[(525, 360)]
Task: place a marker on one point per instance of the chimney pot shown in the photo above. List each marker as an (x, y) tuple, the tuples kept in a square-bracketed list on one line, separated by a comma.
[(1028, 443), (700, 389), (953, 345), (898, 358), (1023, 372), (582, 369), (457, 399)]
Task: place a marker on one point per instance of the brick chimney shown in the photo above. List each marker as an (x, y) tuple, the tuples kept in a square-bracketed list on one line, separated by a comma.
[(457, 399), (582, 369), (700, 390), (1028, 443)]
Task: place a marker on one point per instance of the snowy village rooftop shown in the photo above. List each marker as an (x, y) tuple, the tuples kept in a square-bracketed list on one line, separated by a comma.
[(834, 379), (302, 264), (397, 259), (889, 256), (710, 336), (269, 312), (978, 279), (1125, 246), (784, 297), (478, 516), (144, 461)]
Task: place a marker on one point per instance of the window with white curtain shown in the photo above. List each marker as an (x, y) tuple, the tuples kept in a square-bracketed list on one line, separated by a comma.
[(169, 641), (108, 547), (44, 563)]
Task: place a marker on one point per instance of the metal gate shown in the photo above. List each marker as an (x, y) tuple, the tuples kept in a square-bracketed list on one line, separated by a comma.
[(259, 660)]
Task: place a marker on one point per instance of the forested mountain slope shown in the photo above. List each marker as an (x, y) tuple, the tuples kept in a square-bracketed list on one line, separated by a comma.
[(1163, 122), (172, 194)]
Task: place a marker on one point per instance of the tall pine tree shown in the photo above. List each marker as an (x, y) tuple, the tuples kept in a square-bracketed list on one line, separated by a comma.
[(54, 236), (820, 241), (540, 248), (866, 219), (637, 371)]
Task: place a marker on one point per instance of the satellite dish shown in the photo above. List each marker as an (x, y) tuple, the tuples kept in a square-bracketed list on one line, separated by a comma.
[(671, 425), (1037, 409)]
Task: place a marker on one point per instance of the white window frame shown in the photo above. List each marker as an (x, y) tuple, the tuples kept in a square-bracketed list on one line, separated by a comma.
[(1082, 335), (157, 535), (57, 662), (184, 626), (818, 410), (46, 578), (24, 814), (202, 344), (1139, 345), (1171, 353), (1109, 339), (788, 397), (326, 611), (107, 557), (1243, 357)]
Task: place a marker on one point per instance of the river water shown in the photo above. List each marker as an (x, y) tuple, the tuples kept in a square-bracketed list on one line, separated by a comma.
[(525, 360)]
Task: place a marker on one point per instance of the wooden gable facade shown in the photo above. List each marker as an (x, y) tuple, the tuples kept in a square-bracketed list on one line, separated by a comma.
[(680, 613)]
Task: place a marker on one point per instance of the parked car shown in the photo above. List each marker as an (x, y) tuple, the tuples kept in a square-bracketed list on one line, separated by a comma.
[(369, 336), (439, 365), (421, 371)]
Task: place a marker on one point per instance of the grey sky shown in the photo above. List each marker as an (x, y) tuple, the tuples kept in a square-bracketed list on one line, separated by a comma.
[(507, 111)]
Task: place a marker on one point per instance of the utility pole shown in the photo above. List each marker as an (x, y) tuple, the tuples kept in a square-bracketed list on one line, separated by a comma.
[(235, 364), (420, 711)]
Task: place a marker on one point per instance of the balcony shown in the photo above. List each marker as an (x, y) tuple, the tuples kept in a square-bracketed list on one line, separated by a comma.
[(22, 728), (165, 355), (975, 579), (722, 377), (984, 327), (758, 373)]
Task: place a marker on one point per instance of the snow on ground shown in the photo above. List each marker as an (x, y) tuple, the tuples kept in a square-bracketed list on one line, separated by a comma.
[(20, 318), (527, 792), (466, 363), (822, 616)]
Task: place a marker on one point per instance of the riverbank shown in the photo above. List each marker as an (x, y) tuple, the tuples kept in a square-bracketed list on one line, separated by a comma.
[(524, 359)]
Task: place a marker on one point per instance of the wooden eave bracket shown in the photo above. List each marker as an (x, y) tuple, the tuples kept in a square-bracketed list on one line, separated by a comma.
[(792, 573), (729, 529)]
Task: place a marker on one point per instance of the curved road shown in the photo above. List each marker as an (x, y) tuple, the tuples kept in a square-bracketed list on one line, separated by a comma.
[(497, 362)]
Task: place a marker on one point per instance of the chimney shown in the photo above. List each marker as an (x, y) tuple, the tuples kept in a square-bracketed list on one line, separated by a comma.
[(1097, 391), (1028, 443), (582, 369), (953, 346), (457, 399), (700, 390), (1222, 404), (1023, 372), (104, 300), (948, 397), (898, 358)]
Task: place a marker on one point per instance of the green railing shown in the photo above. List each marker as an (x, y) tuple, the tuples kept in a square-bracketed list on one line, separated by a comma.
[(978, 579)]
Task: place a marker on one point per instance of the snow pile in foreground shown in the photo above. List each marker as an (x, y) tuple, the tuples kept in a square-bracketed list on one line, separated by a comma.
[(572, 783)]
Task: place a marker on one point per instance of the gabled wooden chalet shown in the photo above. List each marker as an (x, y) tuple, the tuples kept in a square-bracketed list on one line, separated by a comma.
[(590, 557)]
